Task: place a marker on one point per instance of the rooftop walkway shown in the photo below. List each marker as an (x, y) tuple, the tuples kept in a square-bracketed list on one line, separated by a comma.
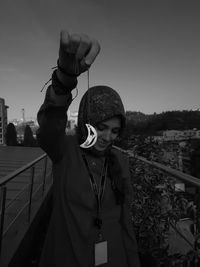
[(25, 187), (13, 157)]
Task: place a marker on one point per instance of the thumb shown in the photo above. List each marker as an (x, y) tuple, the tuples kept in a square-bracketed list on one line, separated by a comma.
[(93, 52)]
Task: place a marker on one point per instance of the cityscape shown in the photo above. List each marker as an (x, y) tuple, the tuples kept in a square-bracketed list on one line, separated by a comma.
[(19, 123), (172, 147)]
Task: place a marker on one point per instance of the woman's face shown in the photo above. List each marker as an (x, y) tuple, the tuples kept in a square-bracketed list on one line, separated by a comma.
[(107, 132)]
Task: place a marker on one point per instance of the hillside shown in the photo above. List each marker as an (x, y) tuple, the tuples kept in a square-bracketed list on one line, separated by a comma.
[(141, 123)]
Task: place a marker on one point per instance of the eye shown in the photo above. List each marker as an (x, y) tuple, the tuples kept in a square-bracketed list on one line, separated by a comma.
[(101, 127), (115, 131)]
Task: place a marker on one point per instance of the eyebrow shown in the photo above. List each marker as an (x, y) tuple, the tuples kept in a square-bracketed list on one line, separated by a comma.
[(104, 124)]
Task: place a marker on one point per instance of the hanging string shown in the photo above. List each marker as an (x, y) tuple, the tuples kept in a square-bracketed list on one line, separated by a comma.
[(56, 67), (53, 68), (77, 72), (88, 86), (76, 94), (45, 84)]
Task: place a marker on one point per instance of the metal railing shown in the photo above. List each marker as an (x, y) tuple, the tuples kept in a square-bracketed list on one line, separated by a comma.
[(175, 173), (36, 182), (184, 177)]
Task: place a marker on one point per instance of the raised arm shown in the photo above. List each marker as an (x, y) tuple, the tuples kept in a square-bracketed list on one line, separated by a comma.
[(77, 52)]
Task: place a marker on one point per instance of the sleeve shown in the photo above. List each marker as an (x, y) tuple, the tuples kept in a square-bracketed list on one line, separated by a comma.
[(127, 224), (52, 119)]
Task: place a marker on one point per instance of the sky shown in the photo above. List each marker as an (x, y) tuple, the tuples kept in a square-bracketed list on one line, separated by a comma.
[(150, 51)]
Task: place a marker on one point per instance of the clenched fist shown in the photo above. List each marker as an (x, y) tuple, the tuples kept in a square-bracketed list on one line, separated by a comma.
[(76, 53)]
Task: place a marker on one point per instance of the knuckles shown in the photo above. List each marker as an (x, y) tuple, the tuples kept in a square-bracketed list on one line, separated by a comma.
[(77, 47)]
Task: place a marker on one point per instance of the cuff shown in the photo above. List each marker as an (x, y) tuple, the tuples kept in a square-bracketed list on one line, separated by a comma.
[(62, 83)]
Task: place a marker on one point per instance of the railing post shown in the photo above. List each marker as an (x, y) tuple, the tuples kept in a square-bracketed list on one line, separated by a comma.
[(31, 192), (3, 191), (197, 202), (44, 175)]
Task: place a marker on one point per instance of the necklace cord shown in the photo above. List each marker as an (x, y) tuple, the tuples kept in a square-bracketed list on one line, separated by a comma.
[(88, 86), (97, 192)]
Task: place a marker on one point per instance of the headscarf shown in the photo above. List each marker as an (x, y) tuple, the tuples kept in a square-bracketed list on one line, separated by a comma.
[(98, 104)]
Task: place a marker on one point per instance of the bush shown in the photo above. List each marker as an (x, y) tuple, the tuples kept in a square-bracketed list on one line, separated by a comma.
[(158, 212), (11, 135), (29, 140)]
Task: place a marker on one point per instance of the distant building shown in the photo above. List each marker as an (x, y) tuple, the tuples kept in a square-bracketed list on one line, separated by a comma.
[(32, 122), (72, 119), (3, 121), (172, 135)]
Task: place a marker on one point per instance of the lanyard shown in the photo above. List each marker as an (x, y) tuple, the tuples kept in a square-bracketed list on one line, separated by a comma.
[(98, 193)]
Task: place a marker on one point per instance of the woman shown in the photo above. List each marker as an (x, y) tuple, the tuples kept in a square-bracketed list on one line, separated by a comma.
[(90, 223)]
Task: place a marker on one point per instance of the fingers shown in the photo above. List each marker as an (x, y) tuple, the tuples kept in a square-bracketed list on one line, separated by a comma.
[(84, 47), (81, 45), (75, 40), (93, 52), (87, 49), (64, 40), (69, 43)]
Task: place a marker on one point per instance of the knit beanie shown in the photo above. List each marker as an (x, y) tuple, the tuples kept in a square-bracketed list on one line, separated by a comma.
[(99, 103)]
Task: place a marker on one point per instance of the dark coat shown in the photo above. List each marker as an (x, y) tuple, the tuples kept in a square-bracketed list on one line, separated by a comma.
[(71, 234)]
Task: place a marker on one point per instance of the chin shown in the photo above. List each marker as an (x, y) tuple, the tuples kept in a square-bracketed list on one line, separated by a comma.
[(100, 148)]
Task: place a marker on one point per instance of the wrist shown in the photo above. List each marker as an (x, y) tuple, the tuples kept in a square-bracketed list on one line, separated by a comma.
[(66, 79), (63, 83)]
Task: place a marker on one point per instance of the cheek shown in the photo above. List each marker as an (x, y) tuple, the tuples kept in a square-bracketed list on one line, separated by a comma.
[(114, 136), (99, 134)]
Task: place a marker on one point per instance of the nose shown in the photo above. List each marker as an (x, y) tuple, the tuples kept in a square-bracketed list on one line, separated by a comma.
[(107, 136)]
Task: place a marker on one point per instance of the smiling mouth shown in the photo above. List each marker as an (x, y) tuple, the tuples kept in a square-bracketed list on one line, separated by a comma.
[(102, 145)]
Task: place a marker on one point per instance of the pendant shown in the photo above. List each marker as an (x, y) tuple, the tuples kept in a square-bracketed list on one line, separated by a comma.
[(101, 253), (91, 137)]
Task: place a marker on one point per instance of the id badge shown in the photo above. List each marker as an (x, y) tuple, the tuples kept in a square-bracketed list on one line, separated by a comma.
[(101, 253)]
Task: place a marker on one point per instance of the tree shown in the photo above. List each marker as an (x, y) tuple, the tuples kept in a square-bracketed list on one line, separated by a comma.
[(28, 137), (11, 135)]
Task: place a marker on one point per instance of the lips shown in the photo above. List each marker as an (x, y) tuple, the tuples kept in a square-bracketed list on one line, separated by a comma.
[(103, 144)]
